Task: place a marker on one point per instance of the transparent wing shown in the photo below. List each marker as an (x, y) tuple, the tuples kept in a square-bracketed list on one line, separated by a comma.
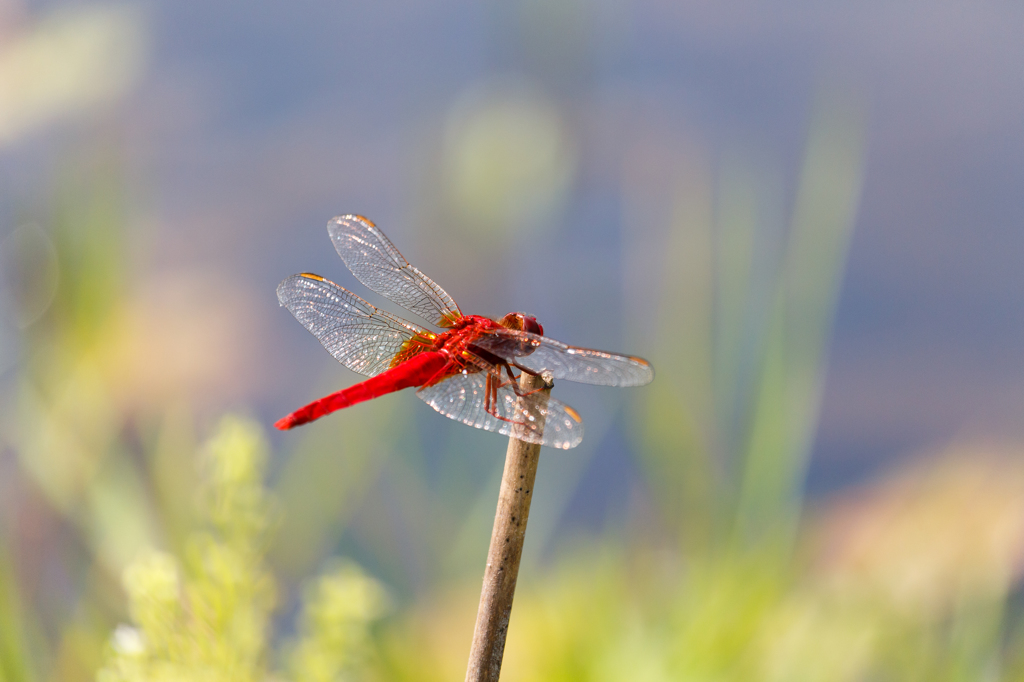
[(542, 355), (358, 335), (375, 262), (463, 398)]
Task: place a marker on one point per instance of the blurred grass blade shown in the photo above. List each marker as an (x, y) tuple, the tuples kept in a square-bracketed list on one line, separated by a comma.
[(676, 411), (327, 477), (15, 657), (792, 373), (736, 257)]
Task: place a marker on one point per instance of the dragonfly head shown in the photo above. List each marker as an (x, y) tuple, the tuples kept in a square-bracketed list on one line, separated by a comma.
[(522, 322)]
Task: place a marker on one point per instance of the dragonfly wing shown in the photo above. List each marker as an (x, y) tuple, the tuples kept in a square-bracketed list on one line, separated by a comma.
[(375, 262), (358, 335), (584, 365), (462, 397)]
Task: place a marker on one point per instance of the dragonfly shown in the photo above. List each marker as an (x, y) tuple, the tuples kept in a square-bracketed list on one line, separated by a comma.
[(469, 372)]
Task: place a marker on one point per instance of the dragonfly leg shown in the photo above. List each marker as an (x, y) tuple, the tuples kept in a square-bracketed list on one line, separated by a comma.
[(524, 369), (491, 397), (513, 380), (489, 391)]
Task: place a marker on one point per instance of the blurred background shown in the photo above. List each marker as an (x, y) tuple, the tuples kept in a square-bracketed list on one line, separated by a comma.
[(807, 216)]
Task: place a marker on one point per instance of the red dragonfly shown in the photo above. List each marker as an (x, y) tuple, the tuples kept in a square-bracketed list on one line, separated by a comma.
[(467, 373)]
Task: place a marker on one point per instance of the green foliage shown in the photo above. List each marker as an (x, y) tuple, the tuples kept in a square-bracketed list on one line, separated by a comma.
[(335, 643), (207, 616), (14, 655)]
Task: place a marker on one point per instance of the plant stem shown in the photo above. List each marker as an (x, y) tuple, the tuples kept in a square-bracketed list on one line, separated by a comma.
[(505, 552)]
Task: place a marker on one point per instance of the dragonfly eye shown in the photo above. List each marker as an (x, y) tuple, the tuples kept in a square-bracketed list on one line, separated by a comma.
[(521, 322)]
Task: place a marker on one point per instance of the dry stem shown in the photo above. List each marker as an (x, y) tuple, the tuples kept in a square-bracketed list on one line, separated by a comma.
[(505, 552)]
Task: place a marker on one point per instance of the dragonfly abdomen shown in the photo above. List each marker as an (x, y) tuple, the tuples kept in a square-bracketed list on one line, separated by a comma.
[(415, 371)]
